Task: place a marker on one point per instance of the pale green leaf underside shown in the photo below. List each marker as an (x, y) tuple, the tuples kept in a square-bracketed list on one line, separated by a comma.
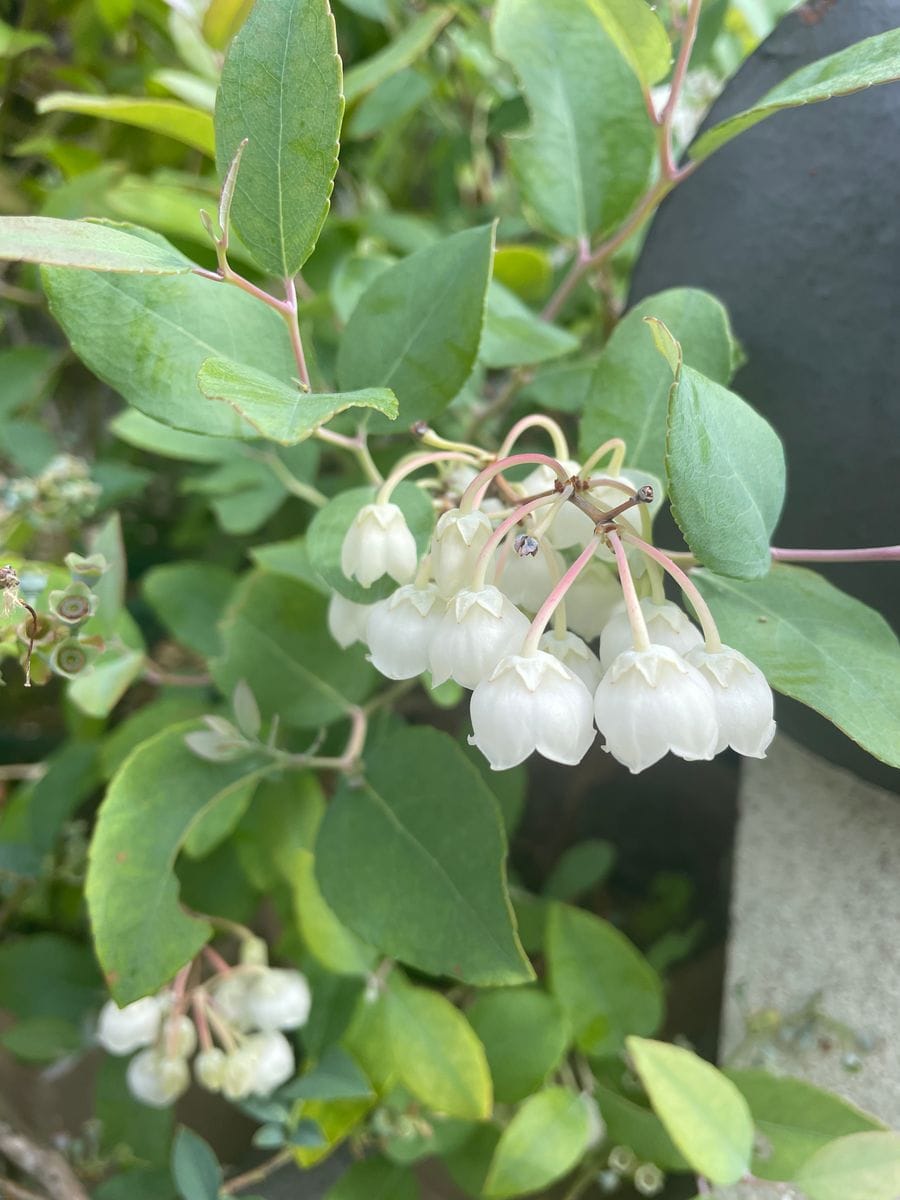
[(872, 61), (87, 245), (141, 934), (818, 645), (726, 476), (704, 1114), (423, 825), (865, 1166), (587, 155), (281, 89), (278, 411), (171, 118), (400, 53), (542, 1143)]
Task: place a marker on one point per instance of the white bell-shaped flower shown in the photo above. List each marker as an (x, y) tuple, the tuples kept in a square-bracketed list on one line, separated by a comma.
[(528, 580), (157, 1080), (273, 1061), (239, 1072), (667, 625), (279, 999), (179, 1037), (230, 994), (123, 1030), (209, 1068), (651, 702), (477, 630), (347, 620), (574, 653), (379, 543), (570, 526), (592, 599), (400, 629), (457, 541), (744, 702), (531, 702)]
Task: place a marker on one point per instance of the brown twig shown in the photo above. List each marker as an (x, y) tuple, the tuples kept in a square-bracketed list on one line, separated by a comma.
[(46, 1166), (257, 1174)]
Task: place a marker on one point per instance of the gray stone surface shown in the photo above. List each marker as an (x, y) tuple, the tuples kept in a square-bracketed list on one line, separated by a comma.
[(814, 955)]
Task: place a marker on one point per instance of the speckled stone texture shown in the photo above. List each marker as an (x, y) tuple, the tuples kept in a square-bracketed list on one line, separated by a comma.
[(816, 909)]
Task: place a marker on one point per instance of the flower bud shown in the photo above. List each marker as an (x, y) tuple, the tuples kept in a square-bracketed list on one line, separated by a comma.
[(273, 1061), (743, 698), (122, 1030), (667, 625), (209, 1068), (592, 599), (400, 629), (179, 1037), (346, 620), (650, 702), (575, 654), (155, 1079), (254, 952), (379, 543), (278, 999), (477, 630), (230, 994), (458, 540), (239, 1073), (531, 702)]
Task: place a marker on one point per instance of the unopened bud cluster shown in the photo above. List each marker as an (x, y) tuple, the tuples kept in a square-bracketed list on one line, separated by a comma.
[(239, 1024), (60, 497), (652, 684)]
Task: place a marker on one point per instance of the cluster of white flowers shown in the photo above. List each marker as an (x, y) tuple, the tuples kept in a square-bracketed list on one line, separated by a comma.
[(248, 1008), (655, 685)]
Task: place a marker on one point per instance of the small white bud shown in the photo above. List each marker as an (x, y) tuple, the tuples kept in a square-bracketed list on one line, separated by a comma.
[(278, 999), (122, 1030), (400, 629), (346, 620), (253, 952), (592, 599), (575, 654), (179, 1037), (239, 1073), (477, 630), (157, 1080), (229, 995), (531, 702), (667, 625), (650, 702), (273, 1061), (209, 1068), (379, 543), (743, 698), (457, 541)]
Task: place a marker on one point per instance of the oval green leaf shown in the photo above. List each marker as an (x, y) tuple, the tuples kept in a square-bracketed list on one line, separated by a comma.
[(704, 1113), (87, 245), (865, 1166), (524, 1035), (543, 1142), (171, 118), (281, 90)]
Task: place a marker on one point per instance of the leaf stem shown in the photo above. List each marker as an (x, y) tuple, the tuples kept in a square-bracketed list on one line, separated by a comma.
[(865, 554), (415, 463)]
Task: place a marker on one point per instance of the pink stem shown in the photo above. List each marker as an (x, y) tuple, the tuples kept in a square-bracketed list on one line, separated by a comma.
[(640, 636), (474, 493), (497, 536), (179, 989), (216, 961), (290, 314), (199, 1006), (866, 554), (414, 464), (545, 612), (710, 630)]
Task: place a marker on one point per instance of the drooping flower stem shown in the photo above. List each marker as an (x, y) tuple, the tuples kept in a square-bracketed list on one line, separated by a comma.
[(545, 612), (415, 463), (690, 589), (474, 493), (497, 536), (536, 421), (617, 446), (639, 633)]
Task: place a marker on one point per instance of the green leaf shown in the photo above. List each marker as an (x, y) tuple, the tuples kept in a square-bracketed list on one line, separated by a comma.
[(726, 475), (41, 1039), (335, 1077), (71, 776), (278, 411), (190, 598), (436, 1053), (170, 709), (628, 392), (543, 1142), (586, 158), (195, 1168), (329, 526), (281, 90), (514, 335), (704, 1113), (417, 326), (795, 1120), (524, 1035), (629, 1124), (579, 869), (640, 35), (146, 1132), (285, 817), (17, 41), (27, 373), (85, 244), (817, 644), (147, 337), (275, 638), (875, 60), (328, 940), (419, 839), (169, 117), (98, 690), (47, 975), (606, 988), (141, 935), (142, 432), (402, 51), (375, 1179), (865, 1166)]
